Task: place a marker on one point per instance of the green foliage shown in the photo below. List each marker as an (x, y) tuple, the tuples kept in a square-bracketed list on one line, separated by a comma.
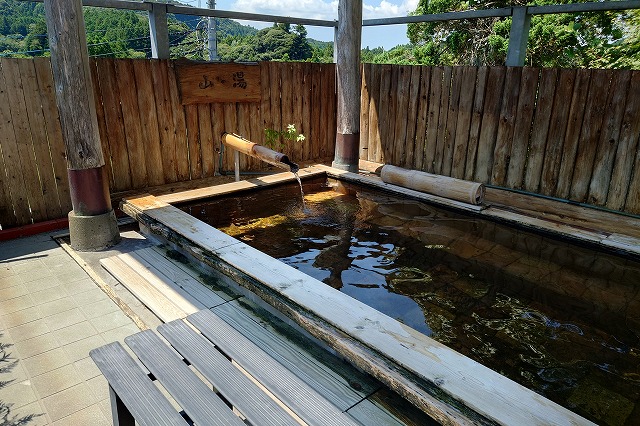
[(277, 43), (565, 40), (273, 137)]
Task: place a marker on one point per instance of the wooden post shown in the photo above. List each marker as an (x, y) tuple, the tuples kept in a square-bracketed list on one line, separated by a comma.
[(92, 223), (518, 37), (347, 47), (159, 31)]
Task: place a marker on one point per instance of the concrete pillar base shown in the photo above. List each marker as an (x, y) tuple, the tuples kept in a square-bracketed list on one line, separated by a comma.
[(93, 233), (348, 167)]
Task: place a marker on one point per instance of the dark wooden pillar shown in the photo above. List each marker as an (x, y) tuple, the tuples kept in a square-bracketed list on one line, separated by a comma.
[(348, 37), (92, 222)]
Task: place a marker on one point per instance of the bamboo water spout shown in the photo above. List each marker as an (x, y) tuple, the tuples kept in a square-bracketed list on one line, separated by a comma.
[(244, 146)]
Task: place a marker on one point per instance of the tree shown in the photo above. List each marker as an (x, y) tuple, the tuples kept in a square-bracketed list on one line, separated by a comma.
[(564, 40)]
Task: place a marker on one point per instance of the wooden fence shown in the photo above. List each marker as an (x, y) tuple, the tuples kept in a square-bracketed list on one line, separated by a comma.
[(148, 137), (571, 134)]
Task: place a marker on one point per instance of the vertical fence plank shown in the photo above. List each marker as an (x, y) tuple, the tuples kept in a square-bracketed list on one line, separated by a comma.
[(333, 117), (316, 100), (463, 122), (230, 126), (149, 121), (476, 122), (102, 123), (286, 87), (392, 112), (435, 95), (489, 128), (541, 124), (574, 125), (506, 125), (23, 138), (217, 125), (193, 139), (557, 132), (383, 113), (365, 100), (442, 120), (208, 142), (114, 125), (591, 125), (16, 212), (401, 119), (135, 139), (421, 121), (522, 127), (452, 121), (298, 89), (375, 149), (165, 120), (412, 114), (276, 92), (180, 127), (265, 87), (40, 145), (56, 144), (609, 138), (627, 145), (243, 123), (307, 93)]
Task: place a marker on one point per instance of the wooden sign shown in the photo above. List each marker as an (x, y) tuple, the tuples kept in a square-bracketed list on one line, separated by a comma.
[(202, 83)]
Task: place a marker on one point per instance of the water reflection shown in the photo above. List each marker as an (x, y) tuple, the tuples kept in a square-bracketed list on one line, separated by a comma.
[(560, 319)]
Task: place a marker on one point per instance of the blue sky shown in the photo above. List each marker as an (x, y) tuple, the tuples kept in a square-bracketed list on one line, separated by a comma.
[(386, 36)]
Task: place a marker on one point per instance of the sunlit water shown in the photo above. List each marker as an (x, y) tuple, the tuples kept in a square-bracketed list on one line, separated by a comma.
[(560, 319)]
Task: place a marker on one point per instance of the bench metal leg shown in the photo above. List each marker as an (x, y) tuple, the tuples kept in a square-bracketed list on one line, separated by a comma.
[(119, 412)]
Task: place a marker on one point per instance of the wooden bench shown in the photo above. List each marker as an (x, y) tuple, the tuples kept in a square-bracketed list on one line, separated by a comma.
[(211, 374)]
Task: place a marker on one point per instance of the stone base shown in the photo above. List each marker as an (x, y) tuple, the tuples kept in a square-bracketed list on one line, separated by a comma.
[(348, 167), (93, 233)]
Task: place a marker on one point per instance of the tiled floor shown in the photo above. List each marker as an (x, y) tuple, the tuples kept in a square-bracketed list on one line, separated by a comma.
[(51, 315)]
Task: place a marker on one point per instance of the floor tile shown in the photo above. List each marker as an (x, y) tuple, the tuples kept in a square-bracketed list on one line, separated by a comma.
[(39, 272), (80, 349), (99, 387), (28, 331), (42, 283), (17, 304), (57, 306), (30, 415), (18, 394), (36, 345), (87, 368), (91, 415), (45, 362), (21, 317), (74, 332), (79, 286), (118, 334), (13, 292), (99, 309), (90, 296), (14, 371), (10, 280), (65, 319), (56, 380), (69, 401), (49, 294), (75, 274), (110, 321)]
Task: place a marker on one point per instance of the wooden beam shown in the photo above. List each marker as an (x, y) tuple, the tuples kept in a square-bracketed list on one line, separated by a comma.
[(348, 40)]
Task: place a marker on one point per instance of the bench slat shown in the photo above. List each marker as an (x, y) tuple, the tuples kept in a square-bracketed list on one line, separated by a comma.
[(200, 403), (136, 390), (329, 380), (307, 403), (234, 385)]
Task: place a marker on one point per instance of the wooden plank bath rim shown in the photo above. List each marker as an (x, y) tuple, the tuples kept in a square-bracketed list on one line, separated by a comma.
[(450, 387)]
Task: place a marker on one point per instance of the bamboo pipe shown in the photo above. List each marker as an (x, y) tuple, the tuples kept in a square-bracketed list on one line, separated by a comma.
[(260, 152), (443, 186)]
